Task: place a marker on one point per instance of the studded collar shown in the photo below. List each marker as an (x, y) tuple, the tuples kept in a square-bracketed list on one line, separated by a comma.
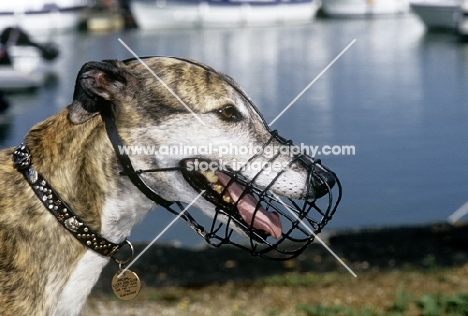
[(60, 209)]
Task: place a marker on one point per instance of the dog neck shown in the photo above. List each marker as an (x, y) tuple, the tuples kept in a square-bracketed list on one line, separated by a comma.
[(82, 167), (80, 163)]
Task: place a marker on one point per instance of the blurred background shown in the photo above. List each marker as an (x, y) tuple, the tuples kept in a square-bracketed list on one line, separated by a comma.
[(399, 94)]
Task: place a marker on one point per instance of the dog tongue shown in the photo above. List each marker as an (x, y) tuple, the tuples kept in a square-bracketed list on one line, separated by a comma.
[(264, 220)]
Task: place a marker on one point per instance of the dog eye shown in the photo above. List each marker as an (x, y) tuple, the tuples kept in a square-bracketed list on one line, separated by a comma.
[(229, 112)]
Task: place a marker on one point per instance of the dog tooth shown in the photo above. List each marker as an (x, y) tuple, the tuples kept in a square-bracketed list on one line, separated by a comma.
[(218, 188), (211, 176), (227, 199)]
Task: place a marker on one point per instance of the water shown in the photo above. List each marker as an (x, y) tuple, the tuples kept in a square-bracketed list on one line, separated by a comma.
[(398, 95)]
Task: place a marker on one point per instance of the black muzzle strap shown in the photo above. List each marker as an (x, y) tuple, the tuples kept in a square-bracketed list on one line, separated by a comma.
[(294, 214), (300, 219), (126, 163), (129, 170)]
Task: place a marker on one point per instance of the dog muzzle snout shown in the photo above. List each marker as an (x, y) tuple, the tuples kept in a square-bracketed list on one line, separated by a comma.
[(279, 211), (322, 180), (277, 226)]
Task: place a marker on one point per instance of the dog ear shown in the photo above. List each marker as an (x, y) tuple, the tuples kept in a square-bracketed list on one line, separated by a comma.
[(99, 85)]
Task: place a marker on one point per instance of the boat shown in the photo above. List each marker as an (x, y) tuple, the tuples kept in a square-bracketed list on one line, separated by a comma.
[(150, 14), (42, 15), (438, 14), (104, 21), (21, 60), (22, 73), (358, 8), (463, 22), (103, 16)]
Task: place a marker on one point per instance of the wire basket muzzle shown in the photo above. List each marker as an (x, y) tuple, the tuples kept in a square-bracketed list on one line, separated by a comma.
[(263, 219)]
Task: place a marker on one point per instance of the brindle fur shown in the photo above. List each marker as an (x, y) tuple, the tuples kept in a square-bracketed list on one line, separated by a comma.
[(43, 269)]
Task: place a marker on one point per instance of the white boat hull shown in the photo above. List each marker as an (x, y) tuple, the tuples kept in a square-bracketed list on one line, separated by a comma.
[(438, 14), (174, 14), (25, 72), (36, 16), (38, 23), (12, 79), (364, 7)]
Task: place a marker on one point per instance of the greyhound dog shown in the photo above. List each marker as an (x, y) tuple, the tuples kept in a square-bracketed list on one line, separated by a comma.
[(63, 187)]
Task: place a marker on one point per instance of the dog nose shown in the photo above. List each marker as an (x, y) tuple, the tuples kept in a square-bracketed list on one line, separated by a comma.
[(322, 180)]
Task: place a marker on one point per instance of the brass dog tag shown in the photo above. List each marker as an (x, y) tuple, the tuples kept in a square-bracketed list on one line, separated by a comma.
[(127, 286)]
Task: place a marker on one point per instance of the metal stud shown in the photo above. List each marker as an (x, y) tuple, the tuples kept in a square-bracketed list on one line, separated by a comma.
[(32, 175), (50, 200)]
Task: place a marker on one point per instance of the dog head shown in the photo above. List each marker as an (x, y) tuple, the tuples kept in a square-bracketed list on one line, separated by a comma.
[(178, 113)]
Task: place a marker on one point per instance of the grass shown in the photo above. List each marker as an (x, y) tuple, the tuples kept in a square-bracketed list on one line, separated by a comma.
[(428, 305), (296, 279), (432, 292)]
